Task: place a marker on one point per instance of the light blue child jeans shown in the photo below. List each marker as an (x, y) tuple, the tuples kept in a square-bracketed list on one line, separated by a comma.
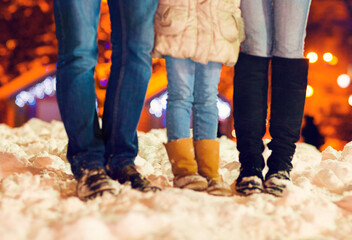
[(192, 88), (275, 27)]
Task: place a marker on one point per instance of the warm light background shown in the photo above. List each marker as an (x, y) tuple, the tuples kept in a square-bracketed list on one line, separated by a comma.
[(28, 47)]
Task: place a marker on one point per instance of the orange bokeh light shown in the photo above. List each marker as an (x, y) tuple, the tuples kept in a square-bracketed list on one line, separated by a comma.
[(310, 91)]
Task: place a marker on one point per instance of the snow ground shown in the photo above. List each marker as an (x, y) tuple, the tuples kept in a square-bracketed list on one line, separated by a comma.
[(37, 196)]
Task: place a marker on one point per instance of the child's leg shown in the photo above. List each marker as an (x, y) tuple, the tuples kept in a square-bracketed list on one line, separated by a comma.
[(205, 111), (180, 74), (205, 123)]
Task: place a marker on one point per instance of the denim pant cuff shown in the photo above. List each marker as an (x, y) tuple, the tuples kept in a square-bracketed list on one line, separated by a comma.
[(116, 164), (78, 165)]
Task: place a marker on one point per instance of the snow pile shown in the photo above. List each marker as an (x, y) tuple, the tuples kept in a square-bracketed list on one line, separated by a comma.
[(37, 196)]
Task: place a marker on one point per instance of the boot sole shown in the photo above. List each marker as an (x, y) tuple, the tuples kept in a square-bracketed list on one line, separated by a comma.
[(221, 192), (275, 191), (97, 192), (196, 186)]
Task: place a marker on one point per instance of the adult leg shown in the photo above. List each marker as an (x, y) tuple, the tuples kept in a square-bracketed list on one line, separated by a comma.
[(132, 38), (76, 29), (250, 93), (290, 21), (258, 21), (289, 82), (180, 75)]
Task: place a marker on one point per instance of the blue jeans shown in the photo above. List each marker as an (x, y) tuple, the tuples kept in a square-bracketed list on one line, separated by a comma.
[(275, 27), (76, 30), (132, 37), (192, 87)]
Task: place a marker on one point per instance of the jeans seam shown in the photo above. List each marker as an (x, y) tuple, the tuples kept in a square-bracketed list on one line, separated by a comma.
[(122, 72)]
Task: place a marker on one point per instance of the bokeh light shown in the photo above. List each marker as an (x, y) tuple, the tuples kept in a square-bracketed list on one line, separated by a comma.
[(328, 57), (11, 44), (344, 80), (350, 100), (103, 82), (45, 88), (313, 57), (310, 91), (334, 60), (224, 109)]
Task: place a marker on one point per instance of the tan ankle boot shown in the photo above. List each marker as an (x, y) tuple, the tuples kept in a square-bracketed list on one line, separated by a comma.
[(207, 157), (184, 166)]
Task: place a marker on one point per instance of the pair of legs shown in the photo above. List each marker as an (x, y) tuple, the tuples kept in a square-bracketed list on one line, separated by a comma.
[(192, 88), (115, 145), (192, 91), (275, 30)]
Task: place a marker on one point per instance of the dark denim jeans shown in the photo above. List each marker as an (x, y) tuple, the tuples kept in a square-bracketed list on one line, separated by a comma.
[(132, 38)]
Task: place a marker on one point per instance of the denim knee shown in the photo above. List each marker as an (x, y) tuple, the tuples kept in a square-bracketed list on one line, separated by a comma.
[(76, 31), (290, 20), (275, 28), (258, 17)]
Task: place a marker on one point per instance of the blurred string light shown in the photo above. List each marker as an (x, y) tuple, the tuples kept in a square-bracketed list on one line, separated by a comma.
[(45, 88), (310, 91), (158, 105), (312, 56), (350, 100), (343, 80)]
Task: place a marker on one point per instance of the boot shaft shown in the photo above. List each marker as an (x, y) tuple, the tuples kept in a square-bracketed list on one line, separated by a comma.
[(250, 107), (251, 88), (289, 84), (181, 156), (208, 157)]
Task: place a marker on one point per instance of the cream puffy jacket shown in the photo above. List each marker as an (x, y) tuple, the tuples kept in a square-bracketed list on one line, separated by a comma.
[(203, 30)]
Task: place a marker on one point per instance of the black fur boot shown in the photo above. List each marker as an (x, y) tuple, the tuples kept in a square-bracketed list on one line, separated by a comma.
[(289, 83), (250, 111)]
